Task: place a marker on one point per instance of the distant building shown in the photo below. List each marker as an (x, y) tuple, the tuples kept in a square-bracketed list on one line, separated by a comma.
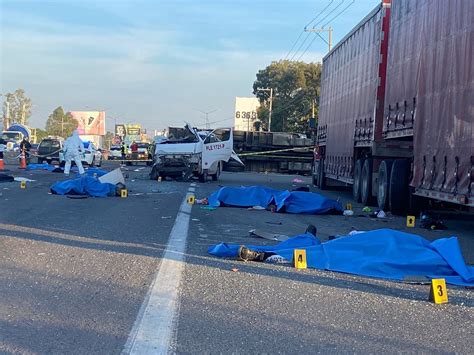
[(245, 113)]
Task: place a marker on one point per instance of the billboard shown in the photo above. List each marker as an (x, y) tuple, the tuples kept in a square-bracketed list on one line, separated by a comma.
[(90, 122), (128, 133), (245, 113)]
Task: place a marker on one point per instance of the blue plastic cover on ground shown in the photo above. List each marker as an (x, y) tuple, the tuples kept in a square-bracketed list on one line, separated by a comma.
[(85, 185), (44, 166), (383, 253), (286, 201)]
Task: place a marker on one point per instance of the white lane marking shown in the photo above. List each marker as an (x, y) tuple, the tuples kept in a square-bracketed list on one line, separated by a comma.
[(193, 184), (191, 189), (154, 327)]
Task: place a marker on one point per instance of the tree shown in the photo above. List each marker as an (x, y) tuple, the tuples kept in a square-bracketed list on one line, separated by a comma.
[(109, 136), (295, 87), (60, 124), (40, 134), (16, 108)]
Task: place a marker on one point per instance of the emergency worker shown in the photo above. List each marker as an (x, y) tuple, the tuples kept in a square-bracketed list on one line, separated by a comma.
[(73, 150)]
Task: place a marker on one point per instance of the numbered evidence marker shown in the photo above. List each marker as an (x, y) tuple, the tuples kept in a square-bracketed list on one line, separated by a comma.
[(349, 206), (438, 291), (299, 258), (191, 199), (23, 185), (124, 193), (410, 221)]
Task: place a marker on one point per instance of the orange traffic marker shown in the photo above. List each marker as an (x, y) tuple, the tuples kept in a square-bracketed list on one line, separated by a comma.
[(22, 161)]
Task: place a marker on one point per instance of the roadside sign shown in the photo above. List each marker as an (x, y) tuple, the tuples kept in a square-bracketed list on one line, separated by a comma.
[(411, 221), (438, 291), (300, 259)]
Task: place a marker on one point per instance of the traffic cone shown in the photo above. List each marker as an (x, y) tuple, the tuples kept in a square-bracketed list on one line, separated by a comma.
[(2, 165), (22, 161)]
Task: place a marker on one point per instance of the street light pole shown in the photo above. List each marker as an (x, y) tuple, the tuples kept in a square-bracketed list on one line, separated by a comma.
[(270, 108), (207, 116)]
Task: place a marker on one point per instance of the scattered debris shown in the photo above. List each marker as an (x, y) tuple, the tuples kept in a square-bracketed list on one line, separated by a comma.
[(297, 180), (165, 217), (367, 209), (433, 223), (208, 208), (348, 213), (114, 177), (276, 223), (268, 235), (20, 179), (195, 219), (381, 214), (234, 269), (202, 201), (6, 178), (257, 208)]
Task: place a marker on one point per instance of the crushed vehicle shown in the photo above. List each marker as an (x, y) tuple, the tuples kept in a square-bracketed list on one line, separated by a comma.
[(189, 152)]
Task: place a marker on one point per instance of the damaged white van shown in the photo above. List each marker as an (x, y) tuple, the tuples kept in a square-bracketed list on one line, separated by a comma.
[(190, 152)]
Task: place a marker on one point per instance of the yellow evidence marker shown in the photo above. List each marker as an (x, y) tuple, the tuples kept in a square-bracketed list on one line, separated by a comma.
[(438, 291), (124, 193), (191, 199), (349, 206), (23, 185), (411, 221), (299, 258)]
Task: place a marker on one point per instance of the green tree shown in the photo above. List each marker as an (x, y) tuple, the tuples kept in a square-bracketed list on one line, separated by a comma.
[(109, 136), (296, 87), (40, 134), (16, 108), (60, 124)]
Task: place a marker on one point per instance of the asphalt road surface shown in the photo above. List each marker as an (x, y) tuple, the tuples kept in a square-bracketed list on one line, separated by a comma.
[(132, 275)]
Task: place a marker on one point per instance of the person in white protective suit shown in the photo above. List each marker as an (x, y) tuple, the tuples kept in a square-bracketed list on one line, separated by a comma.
[(73, 150)]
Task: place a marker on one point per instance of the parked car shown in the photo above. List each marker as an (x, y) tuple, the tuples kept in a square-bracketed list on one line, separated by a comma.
[(48, 150), (91, 157), (115, 152)]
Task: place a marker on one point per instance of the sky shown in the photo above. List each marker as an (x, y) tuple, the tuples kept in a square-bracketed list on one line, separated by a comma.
[(157, 62)]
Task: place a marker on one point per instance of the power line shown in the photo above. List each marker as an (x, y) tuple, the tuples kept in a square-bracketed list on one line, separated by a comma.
[(309, 23), (339, 13)]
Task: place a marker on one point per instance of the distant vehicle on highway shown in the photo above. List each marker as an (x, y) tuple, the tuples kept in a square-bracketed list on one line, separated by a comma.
[(48, 149), (115, 152), (91, 157)]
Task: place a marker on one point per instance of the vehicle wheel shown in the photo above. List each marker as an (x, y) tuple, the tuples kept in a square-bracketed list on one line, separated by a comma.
[(100, 163), (383, 184), (399, 189), (215, 177), (321, 175), (61, 164), (356, 184), (366, 183), (203, 176), (92, 163), (154, 173), (40, 160)]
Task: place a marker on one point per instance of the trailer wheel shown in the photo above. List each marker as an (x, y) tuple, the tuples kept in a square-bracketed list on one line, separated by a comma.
[(356, 184), (383, 184), (321, 175), (366, 183), (398, 194), (154, 173), (215, 177)]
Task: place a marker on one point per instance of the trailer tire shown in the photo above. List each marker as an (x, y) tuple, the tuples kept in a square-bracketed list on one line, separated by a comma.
[(356, 184), (383, 184), (366, 183), (399, 190), (215, 176), (154, 174)]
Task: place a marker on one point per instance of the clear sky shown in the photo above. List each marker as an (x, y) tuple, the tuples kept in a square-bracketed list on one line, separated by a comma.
[(155, 62)]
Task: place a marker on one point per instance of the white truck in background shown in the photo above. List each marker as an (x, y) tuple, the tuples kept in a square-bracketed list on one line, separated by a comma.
[(188, 152)]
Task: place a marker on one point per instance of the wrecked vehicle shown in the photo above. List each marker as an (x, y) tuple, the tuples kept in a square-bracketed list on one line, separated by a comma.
[(189, 152)]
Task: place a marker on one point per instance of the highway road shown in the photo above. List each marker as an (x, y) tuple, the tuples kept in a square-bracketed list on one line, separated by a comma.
[(132, 275)]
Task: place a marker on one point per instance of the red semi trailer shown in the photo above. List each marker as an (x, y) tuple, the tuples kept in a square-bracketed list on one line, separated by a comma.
[(397, 106)]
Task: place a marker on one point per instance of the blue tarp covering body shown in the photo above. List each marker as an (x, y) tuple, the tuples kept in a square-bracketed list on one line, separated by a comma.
[(383, 253), (85, 185), (44, 166), (287, 201)]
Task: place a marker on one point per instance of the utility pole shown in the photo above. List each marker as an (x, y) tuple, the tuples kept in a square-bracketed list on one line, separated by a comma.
[(6, 121), (207, 116), (322, 29), (270, 108)]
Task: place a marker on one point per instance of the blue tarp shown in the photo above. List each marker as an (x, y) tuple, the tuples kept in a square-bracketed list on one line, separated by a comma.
[(383, 253), (44, 166), (286, 201), (85, 185)]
